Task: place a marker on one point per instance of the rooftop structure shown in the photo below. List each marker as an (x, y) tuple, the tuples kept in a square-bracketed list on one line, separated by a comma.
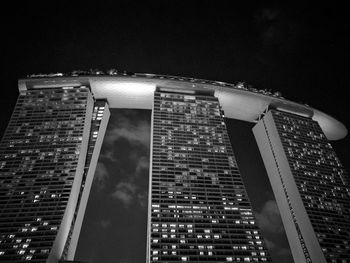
[(135, 90)]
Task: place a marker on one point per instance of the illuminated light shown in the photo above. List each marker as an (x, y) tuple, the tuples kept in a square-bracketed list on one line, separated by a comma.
[(125, 94)]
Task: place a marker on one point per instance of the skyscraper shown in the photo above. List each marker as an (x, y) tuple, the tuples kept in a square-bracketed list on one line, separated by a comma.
[(311, 186), (200, 210), (198, 207), (49, 149)]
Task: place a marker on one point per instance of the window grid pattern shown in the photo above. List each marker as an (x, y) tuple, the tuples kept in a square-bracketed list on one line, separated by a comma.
[(97, 115), (321, 180), (38, 157), (200, 211)]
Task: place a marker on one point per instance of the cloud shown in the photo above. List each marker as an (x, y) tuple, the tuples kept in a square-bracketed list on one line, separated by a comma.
[(125, 149), (272, 25), (124, 196), (129, 193), (269, 14), (269, 244), (105, 223), (101, 175), (142, 164), (269, 218), (135, 132), (279, 31), (108, 154), (125, 192), (142, 199), (283, 254)]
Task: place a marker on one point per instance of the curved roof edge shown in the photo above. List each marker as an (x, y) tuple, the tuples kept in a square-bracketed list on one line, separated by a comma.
[(136, 91)]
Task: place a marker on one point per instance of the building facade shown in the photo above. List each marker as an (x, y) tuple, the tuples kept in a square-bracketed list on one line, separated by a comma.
[(310, 185), (46, 165), (198, 207), (199, 210)]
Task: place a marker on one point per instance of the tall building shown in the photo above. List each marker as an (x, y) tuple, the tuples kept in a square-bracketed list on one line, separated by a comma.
[(198, 208), (46, 161), (310, 185)]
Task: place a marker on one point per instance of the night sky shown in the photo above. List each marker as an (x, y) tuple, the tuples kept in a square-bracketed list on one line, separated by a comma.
[(296, 48)]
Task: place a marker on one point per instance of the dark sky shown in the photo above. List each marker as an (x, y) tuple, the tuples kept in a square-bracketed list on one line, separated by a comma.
[(296, 48), (114, 227)]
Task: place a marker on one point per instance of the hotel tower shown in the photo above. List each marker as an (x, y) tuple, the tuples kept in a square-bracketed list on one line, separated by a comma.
[(310, 185), (198, 208)]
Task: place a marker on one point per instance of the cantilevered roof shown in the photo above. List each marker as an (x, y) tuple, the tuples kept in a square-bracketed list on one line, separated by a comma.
[(136, 92)]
